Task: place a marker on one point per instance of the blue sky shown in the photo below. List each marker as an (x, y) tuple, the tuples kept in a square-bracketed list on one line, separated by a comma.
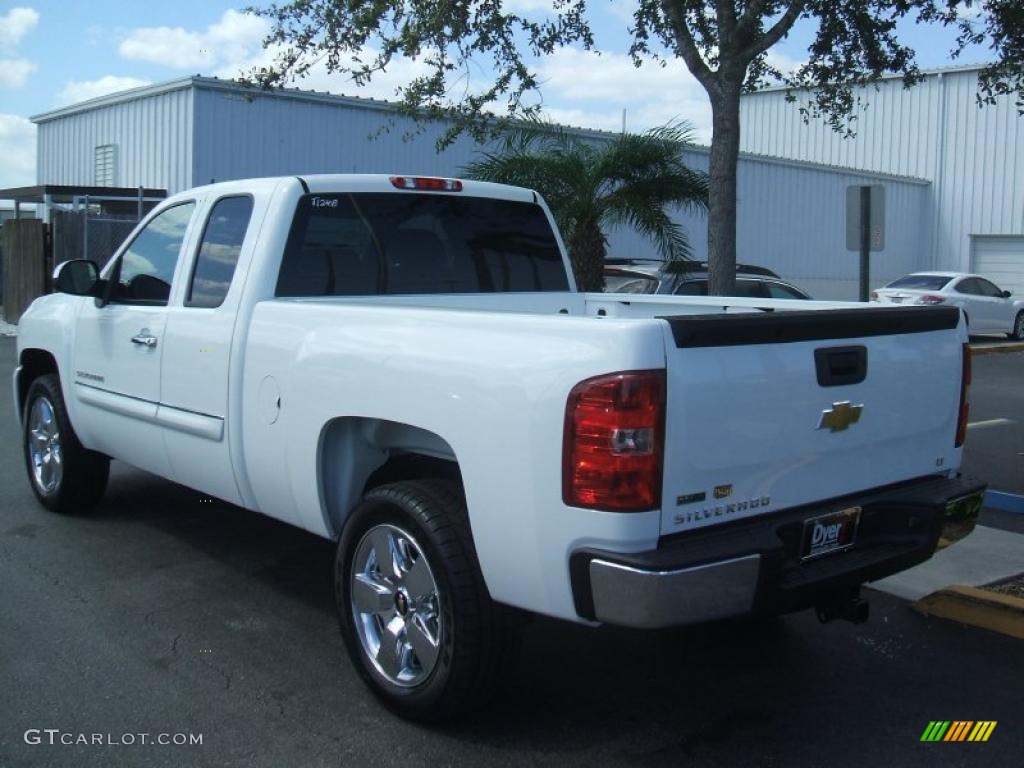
[(55, 53)]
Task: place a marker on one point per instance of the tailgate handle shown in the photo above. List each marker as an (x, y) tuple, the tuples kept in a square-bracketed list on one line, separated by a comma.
[(838, 366)]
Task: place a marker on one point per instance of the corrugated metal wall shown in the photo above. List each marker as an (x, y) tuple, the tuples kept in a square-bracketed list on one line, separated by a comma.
[(791, 216), (792, 219), (973, 155), (152, 135)]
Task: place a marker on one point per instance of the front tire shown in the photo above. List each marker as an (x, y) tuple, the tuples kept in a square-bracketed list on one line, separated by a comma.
[(415, 614), (1018, 328), (65, 476)]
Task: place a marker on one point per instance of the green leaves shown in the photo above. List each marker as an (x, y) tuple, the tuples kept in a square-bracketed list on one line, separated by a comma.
[(476, 52)]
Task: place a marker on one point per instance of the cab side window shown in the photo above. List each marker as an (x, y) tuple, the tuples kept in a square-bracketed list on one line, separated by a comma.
[(968, 286), (985, 288), (218, 252), (145, 270), (780, 291), (750, 289), (693, 288)]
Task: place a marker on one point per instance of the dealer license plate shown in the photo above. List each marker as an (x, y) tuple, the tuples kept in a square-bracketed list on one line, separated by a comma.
[(829, 533)]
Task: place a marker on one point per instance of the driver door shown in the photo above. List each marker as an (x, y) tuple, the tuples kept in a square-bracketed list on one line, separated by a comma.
[(118, 346)]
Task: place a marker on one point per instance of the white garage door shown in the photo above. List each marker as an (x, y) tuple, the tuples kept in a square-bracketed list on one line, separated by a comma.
[(1001, 260)]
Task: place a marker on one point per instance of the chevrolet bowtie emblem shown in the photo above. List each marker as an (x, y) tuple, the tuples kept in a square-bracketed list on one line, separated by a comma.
[(840, 416)]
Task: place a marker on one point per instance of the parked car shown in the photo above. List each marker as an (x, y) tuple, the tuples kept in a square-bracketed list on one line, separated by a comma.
[(988, 308), (402, 365), (690, 278)]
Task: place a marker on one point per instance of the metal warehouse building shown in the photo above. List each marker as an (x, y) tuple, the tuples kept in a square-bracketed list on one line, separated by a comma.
[(973, 158), (187, 132)]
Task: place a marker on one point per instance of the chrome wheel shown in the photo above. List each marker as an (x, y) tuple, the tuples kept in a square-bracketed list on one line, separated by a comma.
[(396, 606), (44, 446)]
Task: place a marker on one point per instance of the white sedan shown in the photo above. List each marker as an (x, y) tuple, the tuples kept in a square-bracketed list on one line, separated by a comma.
[(987, 308)]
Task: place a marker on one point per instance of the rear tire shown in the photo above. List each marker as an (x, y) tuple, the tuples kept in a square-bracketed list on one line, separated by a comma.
[(1018, 328), (65, 476), (415, 614)]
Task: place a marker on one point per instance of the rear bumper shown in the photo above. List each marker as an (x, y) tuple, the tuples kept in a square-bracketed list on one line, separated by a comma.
[(754, 566)]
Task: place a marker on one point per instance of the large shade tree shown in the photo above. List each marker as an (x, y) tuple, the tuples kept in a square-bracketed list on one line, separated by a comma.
[(591, 185), (724, 43)]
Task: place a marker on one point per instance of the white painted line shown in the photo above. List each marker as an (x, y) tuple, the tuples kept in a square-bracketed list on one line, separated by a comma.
[(989, 423)]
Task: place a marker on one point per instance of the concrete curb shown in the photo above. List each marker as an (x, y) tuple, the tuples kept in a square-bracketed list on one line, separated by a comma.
[(977, 608), (991, 349)]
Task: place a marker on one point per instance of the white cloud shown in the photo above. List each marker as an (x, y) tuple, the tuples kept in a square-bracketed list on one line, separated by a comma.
[(15, 24), (975, 11), (18, 160), (14, 72), (83, 90), (525, 7), (591, 91), (785, 64), (622, 10), (235, 37)]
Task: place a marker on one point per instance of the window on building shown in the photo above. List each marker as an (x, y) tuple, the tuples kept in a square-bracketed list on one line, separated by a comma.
[(106, 165), (218, 251)]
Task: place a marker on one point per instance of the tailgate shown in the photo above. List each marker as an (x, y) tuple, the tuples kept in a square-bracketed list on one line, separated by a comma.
[(772, 410)]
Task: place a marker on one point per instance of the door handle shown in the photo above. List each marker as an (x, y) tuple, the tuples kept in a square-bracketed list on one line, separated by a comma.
[(144, 338)]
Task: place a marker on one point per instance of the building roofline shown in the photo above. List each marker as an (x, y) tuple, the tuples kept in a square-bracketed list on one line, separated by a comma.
[(849, 171), (118, 97), (359, 102), (231, 86), (938, 71)]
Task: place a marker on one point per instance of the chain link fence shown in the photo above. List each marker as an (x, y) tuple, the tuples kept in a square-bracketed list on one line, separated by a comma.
[(86, 234)]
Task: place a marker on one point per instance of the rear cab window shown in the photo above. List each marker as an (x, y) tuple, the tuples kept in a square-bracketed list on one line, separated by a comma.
[(381, 243), (921, 282)]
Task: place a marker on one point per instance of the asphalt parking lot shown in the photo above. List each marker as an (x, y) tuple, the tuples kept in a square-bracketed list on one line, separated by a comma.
[(162, 614), (995, 442)]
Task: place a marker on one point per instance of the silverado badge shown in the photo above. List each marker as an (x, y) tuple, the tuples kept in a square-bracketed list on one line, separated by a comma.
[(840, 416)]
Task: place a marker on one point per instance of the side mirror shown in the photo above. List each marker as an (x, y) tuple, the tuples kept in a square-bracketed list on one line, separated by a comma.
[(77, 277), (1007, 294)]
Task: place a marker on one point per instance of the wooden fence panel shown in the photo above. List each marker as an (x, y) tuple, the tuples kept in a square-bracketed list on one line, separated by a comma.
[(25, 265)]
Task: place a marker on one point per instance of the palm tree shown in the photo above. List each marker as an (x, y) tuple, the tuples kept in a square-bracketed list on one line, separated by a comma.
[(591, 184)]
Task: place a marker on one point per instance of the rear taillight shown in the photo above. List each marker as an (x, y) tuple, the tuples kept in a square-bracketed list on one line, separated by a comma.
[(426, 183), (929, 299), (965, 406), (614, 440)]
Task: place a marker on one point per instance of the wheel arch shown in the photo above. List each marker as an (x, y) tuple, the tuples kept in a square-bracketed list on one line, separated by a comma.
[(32, 363), (356, 454)]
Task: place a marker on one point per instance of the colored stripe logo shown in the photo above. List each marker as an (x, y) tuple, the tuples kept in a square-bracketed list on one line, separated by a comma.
[(958, 730)]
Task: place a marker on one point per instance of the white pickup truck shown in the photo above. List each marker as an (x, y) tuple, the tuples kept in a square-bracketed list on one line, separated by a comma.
[(403, 365)]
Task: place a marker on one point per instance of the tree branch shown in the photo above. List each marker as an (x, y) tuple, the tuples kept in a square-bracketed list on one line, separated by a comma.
[(725, 12), (752, 12), (687, 47), (776, 33)]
